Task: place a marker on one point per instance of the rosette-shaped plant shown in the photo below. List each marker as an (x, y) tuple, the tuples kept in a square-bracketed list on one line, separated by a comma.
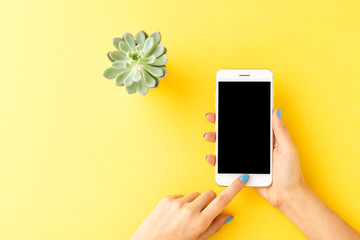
[(137, 63)]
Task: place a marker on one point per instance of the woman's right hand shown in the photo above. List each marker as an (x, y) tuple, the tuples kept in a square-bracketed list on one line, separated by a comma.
[(194, 216), (287, 177)]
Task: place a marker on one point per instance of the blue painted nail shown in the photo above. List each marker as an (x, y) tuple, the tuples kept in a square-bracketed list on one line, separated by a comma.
[(244, 178), (229, 219), (279, 112)]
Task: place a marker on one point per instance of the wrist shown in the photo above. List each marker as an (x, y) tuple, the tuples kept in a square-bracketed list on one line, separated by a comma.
[(294, 198)]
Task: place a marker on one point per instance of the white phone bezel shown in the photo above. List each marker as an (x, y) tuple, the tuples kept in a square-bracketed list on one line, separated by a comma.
[(249, 75)]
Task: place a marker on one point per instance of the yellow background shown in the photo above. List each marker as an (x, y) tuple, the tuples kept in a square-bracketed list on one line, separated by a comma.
[(81, 159)]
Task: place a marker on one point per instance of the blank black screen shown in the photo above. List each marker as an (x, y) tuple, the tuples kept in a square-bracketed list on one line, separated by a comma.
[(244, 127)]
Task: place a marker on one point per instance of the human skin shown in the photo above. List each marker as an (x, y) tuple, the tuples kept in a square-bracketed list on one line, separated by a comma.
[(198, 216), (289, 193), (194, 216)]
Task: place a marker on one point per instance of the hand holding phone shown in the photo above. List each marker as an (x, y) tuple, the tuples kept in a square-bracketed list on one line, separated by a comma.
[(287, 177)]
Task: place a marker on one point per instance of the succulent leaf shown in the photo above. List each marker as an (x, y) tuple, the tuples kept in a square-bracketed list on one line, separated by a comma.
[(139, 48), (111, 73), (109, 57), (119, 80), (140, 38), (150, 59), (119, 64), (137, 76), (165, 72), (155, 71), (138, 63), (160, 61), (157, 80), (148, 78), (157, 37), (158, 51), (129, 79), (148, 46), (131, 88), (142, 88), (116, 42), (116, 55), (129, 39), (124, 47)]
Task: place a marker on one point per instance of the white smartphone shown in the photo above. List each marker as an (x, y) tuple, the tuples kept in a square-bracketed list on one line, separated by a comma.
[(244, 106)]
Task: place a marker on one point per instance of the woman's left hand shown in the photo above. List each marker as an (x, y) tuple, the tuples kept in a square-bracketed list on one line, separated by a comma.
[(194, 216)]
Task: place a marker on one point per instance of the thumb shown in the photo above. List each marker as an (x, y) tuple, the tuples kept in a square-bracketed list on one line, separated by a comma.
[(281, 134), (215, 226)]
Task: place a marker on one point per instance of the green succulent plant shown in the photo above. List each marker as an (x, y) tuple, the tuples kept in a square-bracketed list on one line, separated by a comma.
[(138, 63)]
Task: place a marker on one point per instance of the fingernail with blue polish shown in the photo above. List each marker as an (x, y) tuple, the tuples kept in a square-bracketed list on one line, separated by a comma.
[(279, 112), (244, 178), (229, 219)]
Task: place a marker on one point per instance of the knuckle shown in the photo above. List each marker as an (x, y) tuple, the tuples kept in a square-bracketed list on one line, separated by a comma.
[(188, 209), (177, 204), (196, 193), (210, 193), (203, 223), (165, 200), (223, 199)]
